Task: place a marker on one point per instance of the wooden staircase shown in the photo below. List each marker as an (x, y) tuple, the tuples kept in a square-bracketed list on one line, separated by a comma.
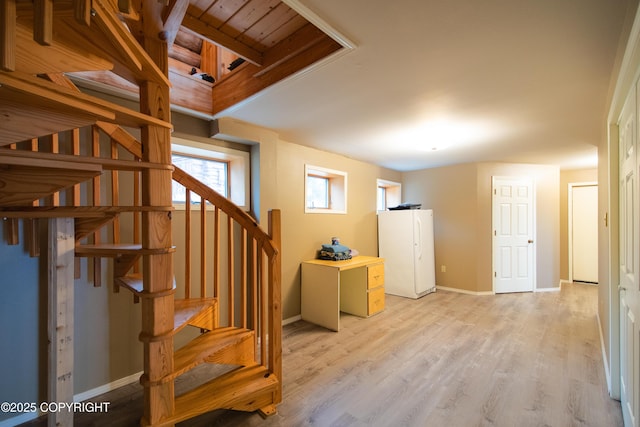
[(248, 339), (53, 166)]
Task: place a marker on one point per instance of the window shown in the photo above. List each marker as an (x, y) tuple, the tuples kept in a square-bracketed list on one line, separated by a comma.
[(222, 168), (317, 192), (212, 172), (389, 194), (325, 190)]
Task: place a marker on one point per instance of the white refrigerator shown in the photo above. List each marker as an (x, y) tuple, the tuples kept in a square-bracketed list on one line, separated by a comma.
[(405, 241)]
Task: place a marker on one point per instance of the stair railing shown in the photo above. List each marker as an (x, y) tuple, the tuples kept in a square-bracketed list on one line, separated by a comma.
[(233, 250), (252, 266)]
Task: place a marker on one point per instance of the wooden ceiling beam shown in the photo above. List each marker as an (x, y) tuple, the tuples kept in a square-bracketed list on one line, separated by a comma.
[(210, 33), (172, 17), (8, 35), (290, 47), (241, 84)]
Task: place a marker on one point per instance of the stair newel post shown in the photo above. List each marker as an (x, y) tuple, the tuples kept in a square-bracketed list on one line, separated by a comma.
[(275, 300), (158, 305)]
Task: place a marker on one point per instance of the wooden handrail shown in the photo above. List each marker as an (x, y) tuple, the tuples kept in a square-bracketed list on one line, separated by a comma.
[(241, 269), (228, 207)]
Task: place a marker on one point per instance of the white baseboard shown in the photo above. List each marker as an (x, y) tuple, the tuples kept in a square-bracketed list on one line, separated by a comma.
[(556, 289), (291, 319), (463, 291), (86, 395), (605, 361), (89, 394), (80, 397), (11, 422)]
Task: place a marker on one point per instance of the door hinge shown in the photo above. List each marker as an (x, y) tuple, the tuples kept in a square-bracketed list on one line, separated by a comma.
[(495, 274)]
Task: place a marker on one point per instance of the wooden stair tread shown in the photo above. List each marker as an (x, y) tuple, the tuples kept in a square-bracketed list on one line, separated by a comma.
[(242, 388), (114, 250), (68, 161), (187, 309), (133, 282), (206, 346), (74, 211), (23, 181)]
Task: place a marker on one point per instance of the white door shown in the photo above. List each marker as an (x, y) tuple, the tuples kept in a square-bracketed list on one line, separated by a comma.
[(629, 222), (513, 232), (584, 233)]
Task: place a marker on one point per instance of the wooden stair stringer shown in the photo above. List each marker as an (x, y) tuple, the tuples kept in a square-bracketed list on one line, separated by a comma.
[(249, 388)]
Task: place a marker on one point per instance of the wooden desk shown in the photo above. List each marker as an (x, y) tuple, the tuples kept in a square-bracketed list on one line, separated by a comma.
[(354, 286)]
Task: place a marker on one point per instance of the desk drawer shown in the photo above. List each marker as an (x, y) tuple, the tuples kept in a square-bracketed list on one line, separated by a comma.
[(375, 301), (375, 276)]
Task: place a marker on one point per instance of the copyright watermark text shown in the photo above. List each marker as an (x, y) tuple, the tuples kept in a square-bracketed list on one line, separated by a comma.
[(49, 407)]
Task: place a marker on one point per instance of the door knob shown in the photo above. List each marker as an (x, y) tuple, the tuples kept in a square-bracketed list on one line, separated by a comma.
[(530, 240), (621, 288)]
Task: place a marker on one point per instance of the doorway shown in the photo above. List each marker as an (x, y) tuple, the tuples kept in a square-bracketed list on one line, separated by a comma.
[(513, 234), (583, 232)]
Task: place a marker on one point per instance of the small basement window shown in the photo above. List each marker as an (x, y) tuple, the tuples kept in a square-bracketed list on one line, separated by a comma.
[(389, 194), (325, 190), (210, 171), (224, 169)]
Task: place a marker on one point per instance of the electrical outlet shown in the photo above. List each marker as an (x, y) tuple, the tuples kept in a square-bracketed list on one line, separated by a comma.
[(443, 268)]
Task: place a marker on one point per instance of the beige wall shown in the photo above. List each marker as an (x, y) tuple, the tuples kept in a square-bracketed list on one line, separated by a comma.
[(462, 220), (455, 207), (569, 177), (282, 177)]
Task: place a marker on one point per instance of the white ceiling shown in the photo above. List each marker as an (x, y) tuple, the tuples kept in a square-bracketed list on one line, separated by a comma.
[(479, 80)]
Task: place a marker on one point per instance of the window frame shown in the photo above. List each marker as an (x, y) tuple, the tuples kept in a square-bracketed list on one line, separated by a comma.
[(337, 189), (238, 167), (392, 191)]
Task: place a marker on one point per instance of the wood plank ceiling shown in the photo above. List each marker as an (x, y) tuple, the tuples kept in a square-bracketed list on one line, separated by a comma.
[(220, 53), (234, 49)]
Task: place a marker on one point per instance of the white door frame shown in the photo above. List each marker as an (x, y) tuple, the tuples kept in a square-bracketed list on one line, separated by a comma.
[(533, 238), (624, 83), (572, 185)]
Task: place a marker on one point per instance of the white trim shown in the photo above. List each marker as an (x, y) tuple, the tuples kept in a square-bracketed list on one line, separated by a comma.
[(464, 291), (625, 83), (629, 72), (556, 289), (570, 187), (605, 361), (80, 397), (11, 422), (312, 17), (291, 320), (105, 388)]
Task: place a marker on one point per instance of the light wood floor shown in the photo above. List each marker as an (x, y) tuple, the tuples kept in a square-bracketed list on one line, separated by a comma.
[(447, 359)]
